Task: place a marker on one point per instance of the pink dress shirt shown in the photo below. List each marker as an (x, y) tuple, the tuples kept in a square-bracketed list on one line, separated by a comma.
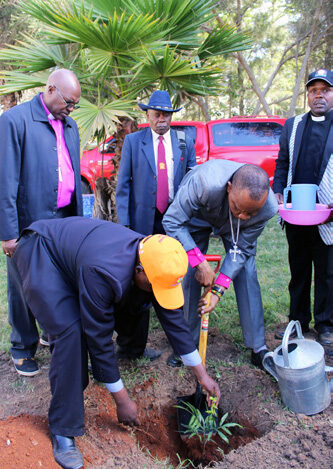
[(66, 184), (195, 257)]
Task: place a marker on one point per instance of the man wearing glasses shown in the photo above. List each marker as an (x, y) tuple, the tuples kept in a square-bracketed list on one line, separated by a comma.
[(39, 178)]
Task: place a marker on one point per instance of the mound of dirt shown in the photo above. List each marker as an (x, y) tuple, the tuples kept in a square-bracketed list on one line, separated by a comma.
[(271, 436)]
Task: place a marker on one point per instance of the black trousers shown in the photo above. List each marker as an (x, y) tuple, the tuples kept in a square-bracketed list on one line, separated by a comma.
[(306, 249), (132, 321), (138, 313), (24, 335)]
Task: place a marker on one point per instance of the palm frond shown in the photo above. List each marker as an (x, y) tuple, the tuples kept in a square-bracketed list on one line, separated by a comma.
[(93, 119), (185, 18), (223, 41), (19, 81), (118, 34), (173, 71), (33, 55)]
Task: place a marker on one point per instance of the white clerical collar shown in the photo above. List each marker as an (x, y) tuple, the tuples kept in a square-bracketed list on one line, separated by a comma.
[(317, 118)]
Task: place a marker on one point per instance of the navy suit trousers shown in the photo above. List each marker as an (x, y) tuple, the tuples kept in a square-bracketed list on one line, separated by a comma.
[(24, 336)]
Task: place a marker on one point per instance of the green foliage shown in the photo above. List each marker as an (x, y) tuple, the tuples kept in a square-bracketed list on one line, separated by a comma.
[(121, 51)]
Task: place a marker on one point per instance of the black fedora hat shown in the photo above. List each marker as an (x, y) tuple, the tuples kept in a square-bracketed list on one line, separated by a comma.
[(159, 101)]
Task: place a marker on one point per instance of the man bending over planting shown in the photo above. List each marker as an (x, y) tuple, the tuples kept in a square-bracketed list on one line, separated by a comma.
[(76, 274)]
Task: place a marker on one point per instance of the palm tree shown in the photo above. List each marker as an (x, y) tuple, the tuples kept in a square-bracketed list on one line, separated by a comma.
[(121, 51)]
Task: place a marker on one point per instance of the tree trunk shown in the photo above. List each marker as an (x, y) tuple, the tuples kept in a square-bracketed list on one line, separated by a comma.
[(203, 104), (299, 79), (239, 56), (8, 100), (282, 61), (105, 189), (254, 82)]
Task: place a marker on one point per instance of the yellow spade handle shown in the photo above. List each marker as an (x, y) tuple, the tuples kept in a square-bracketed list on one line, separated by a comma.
[(204, 331)]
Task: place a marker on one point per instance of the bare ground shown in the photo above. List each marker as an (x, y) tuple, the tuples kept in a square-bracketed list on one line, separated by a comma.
[(271, 436)]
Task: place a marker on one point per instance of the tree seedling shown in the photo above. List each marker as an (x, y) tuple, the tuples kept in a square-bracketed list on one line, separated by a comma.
[(205, 427)]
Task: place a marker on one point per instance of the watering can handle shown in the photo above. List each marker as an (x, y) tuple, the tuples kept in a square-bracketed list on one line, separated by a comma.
[(267, 364), (329, 369), (285, 195), (285, 340)]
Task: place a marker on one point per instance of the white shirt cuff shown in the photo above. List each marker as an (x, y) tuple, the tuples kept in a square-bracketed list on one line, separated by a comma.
[(191, 359), (114, 387)]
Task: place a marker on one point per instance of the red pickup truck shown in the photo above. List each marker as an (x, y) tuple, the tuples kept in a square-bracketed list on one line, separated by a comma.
[(249, 139)]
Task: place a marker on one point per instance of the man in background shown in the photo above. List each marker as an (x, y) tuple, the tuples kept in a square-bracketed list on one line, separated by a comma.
[(305, 157), (153, 163), (39, 178)]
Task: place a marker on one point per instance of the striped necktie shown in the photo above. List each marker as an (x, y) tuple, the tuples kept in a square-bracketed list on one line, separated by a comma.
[(325, 196)]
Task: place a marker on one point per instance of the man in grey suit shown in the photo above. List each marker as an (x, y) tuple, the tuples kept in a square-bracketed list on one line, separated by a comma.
[(235, 202)]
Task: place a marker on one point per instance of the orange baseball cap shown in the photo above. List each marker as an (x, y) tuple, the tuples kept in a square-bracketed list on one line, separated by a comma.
[(165, 263)]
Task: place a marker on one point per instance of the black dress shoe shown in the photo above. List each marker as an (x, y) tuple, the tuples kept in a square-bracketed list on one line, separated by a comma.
[(257, 358), (279, 333), (329, 352), (149, 353), (66, 453), (325, 338), (175, 361)]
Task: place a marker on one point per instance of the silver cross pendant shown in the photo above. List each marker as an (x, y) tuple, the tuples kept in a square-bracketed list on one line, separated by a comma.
[(235, 251)]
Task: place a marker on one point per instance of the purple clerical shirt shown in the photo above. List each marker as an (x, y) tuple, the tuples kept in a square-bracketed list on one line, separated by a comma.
[(66, 184)]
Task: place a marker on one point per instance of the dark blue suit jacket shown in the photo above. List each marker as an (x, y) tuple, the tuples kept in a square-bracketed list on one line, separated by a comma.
[(137, 178), (81, 269), (29, 167)]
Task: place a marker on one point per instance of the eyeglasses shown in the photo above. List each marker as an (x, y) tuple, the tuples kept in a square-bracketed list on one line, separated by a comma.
[(69, 104)]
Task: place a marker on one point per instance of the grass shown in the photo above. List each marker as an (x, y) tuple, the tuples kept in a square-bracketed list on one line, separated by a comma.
[(273, 274)]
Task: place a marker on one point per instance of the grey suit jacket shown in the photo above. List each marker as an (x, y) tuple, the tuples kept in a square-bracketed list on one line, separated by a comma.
[(202, 199)]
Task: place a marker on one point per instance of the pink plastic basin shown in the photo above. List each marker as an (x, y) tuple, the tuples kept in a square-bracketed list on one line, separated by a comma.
[(305, 217)]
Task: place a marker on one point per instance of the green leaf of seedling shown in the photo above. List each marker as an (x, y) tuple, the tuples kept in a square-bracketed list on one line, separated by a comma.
[(224, 438), (223, 419)]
